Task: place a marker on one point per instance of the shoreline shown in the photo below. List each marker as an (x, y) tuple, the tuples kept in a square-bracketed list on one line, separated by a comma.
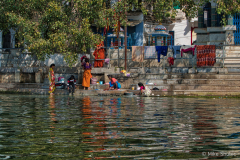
[(120, 93)]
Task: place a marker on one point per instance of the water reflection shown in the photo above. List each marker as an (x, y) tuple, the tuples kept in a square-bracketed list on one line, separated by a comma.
[(59, 127)]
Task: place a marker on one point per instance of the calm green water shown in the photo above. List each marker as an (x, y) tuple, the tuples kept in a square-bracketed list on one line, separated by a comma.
[(62, 127)]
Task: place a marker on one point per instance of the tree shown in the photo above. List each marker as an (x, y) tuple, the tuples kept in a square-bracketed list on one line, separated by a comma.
[(50, 26)]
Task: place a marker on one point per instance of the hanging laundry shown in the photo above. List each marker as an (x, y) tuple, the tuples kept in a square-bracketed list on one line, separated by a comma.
[(176, 50), (161, 50), (206, 55), (188, 49), (149, 52), (171, 61), (137, 53)]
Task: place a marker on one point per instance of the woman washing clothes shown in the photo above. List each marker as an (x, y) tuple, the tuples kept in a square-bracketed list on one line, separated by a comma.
[(113, 84), (144, 90), (86, 74)]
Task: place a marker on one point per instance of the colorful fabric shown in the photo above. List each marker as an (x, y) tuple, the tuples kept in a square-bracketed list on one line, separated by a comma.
[(206, 55), (86, 78), (171, 61), (113, 80), (188, 49), (142, 88), (176, 50), (137, 53), (99, 53), (51, 78), (147, 92), (112, 85), (149, 52), (87, 66), (161, 50)]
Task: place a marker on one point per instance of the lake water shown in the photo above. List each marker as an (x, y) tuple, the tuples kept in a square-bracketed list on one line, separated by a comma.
[(66, 127)]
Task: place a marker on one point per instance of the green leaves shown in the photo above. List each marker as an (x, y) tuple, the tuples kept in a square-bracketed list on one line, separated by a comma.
[(50, 26)]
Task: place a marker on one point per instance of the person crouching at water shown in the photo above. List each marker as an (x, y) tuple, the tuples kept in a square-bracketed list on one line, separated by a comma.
[(144, 90), (87, 74), (113, 84), (71, 82)]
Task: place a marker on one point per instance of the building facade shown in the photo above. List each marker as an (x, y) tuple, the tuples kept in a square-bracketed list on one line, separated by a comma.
[(210, 31)]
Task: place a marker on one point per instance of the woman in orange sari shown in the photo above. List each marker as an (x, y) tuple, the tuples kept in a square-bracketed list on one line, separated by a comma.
[(99, 53), (51, 78), (86, 74)]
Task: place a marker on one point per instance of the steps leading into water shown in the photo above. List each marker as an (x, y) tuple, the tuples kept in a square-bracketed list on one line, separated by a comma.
[(168, 84), (232, 54)]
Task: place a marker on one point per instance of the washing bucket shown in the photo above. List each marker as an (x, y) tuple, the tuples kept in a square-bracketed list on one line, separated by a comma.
[(100, 82), (93, 80)]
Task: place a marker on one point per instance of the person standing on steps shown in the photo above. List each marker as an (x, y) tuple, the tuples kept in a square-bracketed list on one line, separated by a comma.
[(99, 53), (87, 74), (51, 78)]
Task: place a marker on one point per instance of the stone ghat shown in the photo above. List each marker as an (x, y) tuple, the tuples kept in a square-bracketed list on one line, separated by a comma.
[(170, 82)]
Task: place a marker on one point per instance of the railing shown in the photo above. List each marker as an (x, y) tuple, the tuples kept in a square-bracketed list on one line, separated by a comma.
[(220, 58), (18, 57)]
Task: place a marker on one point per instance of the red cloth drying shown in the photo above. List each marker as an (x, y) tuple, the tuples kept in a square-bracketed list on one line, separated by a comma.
[(170, 60), (206, 55), (187, 50)]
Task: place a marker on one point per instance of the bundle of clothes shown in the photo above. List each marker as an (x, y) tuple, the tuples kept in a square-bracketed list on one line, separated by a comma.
[(206, 54)]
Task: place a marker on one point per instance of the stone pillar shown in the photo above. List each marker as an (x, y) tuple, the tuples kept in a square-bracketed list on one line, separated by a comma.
[(1, 45), (229, 34), (105, 78), (12, 32), (17, 76), (38, 76), (229, 37)]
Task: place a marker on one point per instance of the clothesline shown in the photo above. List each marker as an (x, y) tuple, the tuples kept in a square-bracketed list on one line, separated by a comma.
[(206, 54)]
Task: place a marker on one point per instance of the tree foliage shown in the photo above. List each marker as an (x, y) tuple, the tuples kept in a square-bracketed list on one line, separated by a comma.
[(50, 26)]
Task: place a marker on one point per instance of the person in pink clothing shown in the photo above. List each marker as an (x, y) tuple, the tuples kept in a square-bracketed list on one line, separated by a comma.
[(144, 90), (142, 87)]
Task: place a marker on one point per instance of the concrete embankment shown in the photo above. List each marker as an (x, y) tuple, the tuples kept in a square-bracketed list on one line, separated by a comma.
[(171, 82), (100, 92)]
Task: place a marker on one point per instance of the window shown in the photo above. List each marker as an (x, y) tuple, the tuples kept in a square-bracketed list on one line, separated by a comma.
[(170, 40), (207, 15)]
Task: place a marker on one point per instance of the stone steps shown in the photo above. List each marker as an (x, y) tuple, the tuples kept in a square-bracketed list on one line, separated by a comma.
[(232, 59), (193, 93), (232, 65), (203, 87), (232, 48), (22, 85), (230, 52), (188, 76), (190, 81)]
